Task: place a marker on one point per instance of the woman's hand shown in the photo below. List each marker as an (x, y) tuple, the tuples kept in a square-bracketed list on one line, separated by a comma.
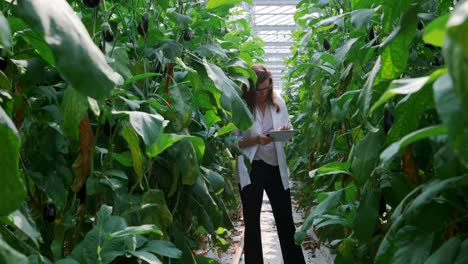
[(264, 139), (288, 127)]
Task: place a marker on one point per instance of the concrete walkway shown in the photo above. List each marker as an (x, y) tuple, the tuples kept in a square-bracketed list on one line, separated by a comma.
[(270, 242)]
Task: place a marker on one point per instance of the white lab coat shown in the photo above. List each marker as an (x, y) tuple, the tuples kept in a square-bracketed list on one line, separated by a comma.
[(279, 120)]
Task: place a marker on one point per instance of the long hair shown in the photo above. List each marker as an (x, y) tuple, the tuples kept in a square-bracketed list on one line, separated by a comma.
[(249, 93)]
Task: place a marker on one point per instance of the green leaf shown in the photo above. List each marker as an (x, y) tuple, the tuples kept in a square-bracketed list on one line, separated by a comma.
[(331, 169), (163, 248), (450, 111), (5, 34), (170, 48), (408, 112), (185, 156), (164, 142), (211, 118), (141, 77), (136, 230), (366, 155), (208, 50), (226, 129), (78, 59), (156, 203), (367, 215), (446, 253), (341, 52), (132, 139), (395, 54), (182, 104), (341, 106), (331, 20), (182, 21), (426, 132), (10, 255), (212, 4), (148, 126), (230, 99), (366, 95), (12, 190), (455, 52), (401, 86), (329, 203), (359, 4), (392, 12), (434, 33), (95, 245), (216, 181), (361, 17), (148, 257), (37, 41), (26, 225), (74, 107)]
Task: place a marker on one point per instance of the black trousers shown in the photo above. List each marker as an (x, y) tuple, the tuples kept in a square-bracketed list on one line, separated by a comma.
[(266, 177)]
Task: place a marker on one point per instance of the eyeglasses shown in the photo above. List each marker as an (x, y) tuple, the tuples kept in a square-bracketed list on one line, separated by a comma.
[(263, 90)]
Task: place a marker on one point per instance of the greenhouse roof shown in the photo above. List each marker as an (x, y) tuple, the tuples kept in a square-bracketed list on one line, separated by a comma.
[(273, 21)]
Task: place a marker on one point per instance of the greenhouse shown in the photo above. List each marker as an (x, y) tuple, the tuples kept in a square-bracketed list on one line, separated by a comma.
[(216, 131)]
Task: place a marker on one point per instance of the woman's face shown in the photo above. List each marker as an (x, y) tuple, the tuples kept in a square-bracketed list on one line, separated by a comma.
[(263, 90)]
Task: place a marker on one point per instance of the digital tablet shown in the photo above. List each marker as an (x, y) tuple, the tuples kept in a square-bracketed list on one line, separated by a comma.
[(282, 135)]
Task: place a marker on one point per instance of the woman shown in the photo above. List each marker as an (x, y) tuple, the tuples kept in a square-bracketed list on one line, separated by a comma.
[(268, 170)]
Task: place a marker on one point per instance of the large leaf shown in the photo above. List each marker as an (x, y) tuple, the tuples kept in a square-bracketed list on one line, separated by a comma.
[(186, 160), (402, 86), (163, 248), (446, 253), (361, 17), (402, 241), (132, 139), (5, 34), (367, 215), (212, 4), (392, 12), (456, 52), (395, 54), (341, 52), (10, 255), (331, 169), (135, 230), (451, 112), (408, 113), (211, 49), (434, 33), (148, 126), (96, 247), (12, 190), (74, 107), (164, 142), (146, 256), (366, 94), (366, 155), (426, 132), (329, 203), (78, 59), (230, 99), (156, 203)]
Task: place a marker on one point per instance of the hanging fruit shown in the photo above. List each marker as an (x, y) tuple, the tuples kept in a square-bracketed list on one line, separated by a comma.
[(187, 35), (326, 44), (107, 32), (91, 3), (50, 212), (143, 26)]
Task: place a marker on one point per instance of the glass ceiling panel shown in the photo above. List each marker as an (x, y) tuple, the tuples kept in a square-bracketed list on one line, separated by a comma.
[(273, 21)]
